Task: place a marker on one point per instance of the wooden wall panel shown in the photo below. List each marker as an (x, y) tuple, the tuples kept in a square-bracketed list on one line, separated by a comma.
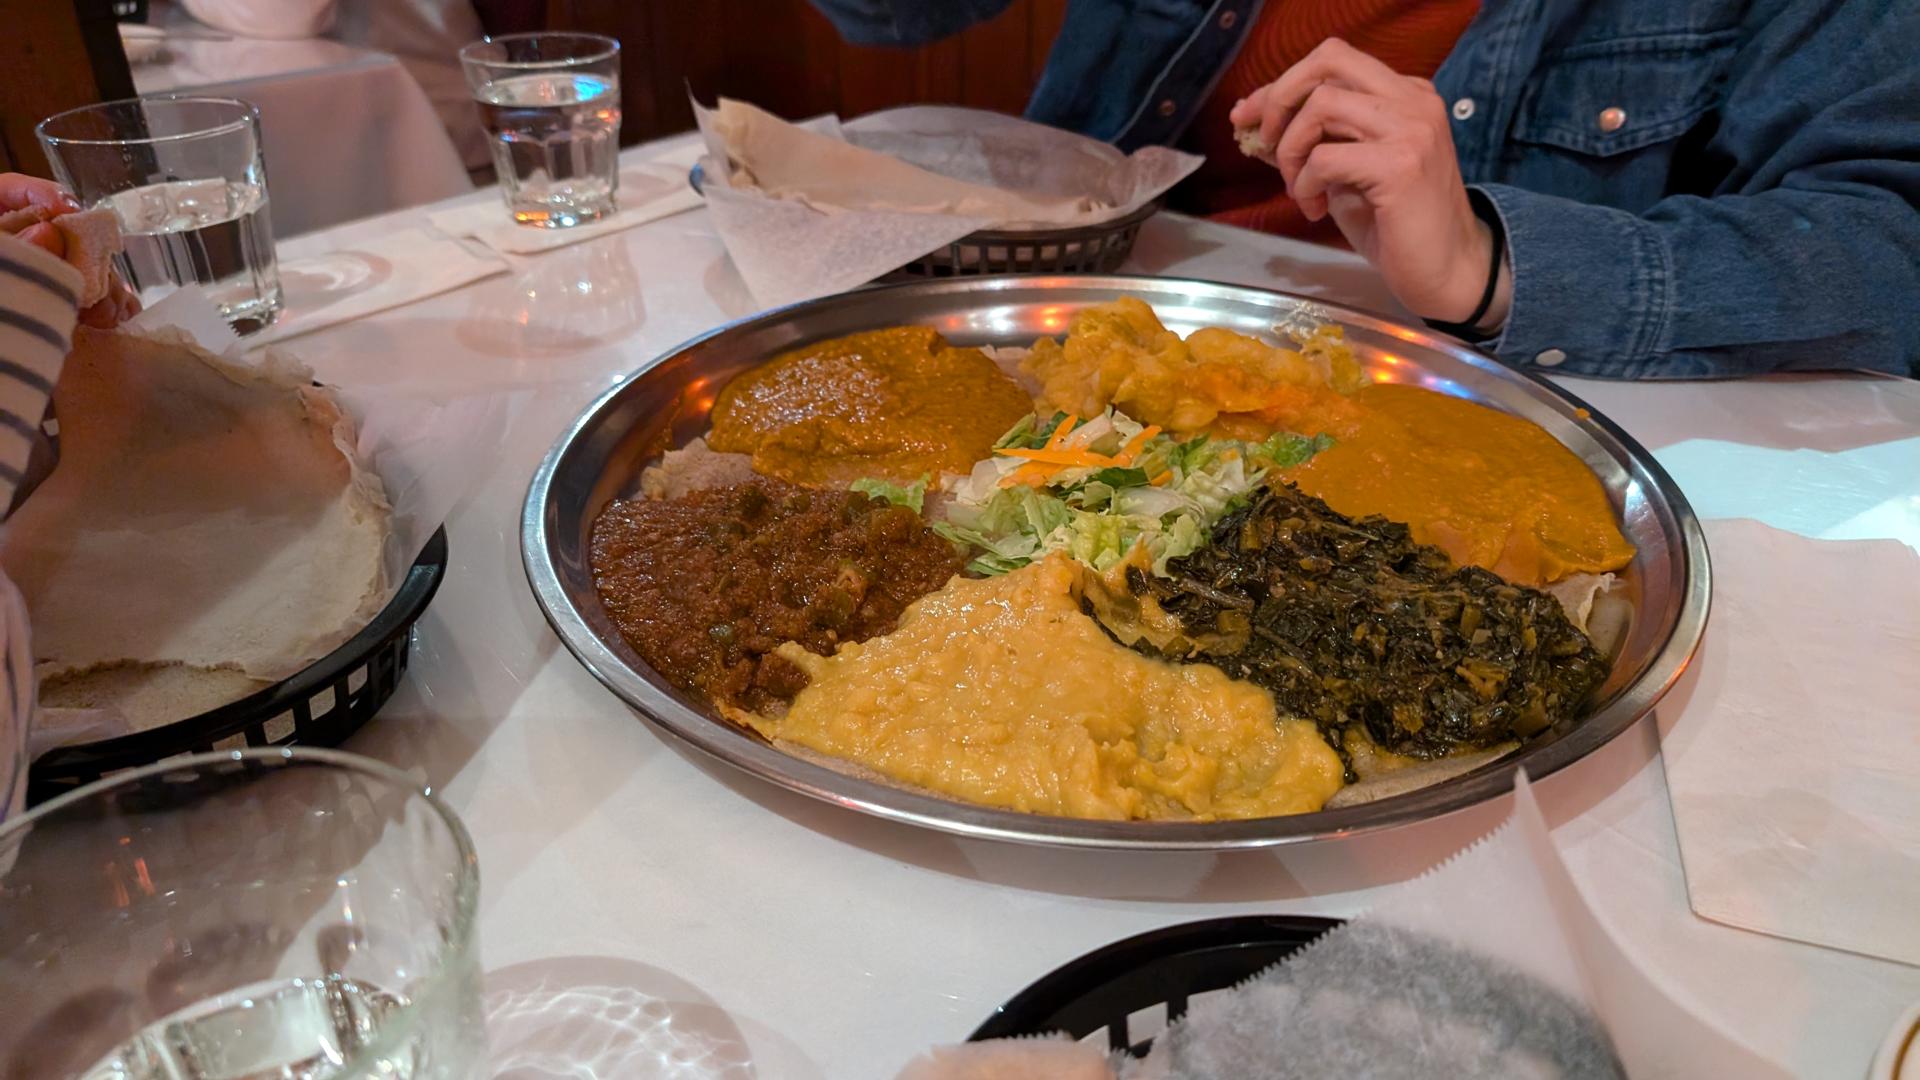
[(769, 52), (785, 57), (54, 55), (694, 35), (1042, 27), (997, 74)]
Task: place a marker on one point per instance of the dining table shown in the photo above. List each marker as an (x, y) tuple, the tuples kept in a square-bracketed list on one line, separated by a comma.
[(396, 153), (645, 911)]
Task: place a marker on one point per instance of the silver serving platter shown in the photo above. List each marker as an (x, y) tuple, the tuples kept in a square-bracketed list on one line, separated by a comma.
[(665, 403)]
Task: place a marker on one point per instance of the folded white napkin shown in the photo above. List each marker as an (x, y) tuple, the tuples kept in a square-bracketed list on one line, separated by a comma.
[(395, 269), (649, 190), (1792, 745)]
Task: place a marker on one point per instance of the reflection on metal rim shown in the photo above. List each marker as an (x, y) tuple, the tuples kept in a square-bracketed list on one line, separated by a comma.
[(665, 403)]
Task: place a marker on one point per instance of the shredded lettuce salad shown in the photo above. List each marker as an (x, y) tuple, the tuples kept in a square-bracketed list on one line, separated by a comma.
[(912, 496), (1095, 488)]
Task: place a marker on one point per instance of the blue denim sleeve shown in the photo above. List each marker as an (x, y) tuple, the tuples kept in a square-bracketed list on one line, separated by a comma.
[(1134, 72), (905, 22), (1812, 261), (1712, 288)]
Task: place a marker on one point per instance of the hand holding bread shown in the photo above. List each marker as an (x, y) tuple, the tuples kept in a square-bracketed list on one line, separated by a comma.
[(41, 213), (1355, 140)]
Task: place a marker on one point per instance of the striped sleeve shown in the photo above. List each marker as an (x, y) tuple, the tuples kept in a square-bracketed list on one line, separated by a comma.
[(17, 696), (38, 295)]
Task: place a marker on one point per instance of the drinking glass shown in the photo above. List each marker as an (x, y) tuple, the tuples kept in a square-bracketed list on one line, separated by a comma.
[(551, 106), (185, 177), (293, 913)]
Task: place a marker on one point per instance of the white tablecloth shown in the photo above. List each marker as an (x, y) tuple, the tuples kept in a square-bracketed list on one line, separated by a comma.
[(811, 942), (348, 132)]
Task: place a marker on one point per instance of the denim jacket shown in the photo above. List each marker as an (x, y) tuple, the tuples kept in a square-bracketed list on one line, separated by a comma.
[(1690, 188)]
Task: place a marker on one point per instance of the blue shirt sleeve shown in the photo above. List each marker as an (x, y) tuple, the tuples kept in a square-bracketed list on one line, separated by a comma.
[(905, 22), (1132, 72)]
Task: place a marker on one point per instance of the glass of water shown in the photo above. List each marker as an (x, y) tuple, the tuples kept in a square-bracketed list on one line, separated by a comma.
[(185, 177), (551, 106), (292, 913)]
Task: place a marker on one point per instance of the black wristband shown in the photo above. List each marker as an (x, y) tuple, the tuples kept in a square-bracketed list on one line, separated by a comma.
[(1467, 330)]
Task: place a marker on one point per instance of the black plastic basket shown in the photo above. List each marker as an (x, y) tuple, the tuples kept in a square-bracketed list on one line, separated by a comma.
[(1084, 249), (1148, 981), (320, 706)]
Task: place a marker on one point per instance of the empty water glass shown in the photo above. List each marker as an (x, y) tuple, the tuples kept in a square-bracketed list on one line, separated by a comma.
[(551, 105), (293, 913), (186, 178)]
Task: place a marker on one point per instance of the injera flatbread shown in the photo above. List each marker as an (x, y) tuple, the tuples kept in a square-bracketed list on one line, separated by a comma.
[(203, 516), (1251, 144), (91, 238), (787, 161)]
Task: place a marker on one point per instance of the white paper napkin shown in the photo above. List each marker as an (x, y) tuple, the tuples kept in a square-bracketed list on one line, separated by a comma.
[(393, 270), (787, 252), (1792, 745), (649, 191)]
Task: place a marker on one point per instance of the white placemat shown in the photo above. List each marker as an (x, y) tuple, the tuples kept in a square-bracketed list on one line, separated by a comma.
[(1792, 745), (649, 191), (395, 269)]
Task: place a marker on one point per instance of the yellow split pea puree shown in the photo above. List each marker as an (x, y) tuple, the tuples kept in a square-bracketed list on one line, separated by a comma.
[(1489, 489), (897, 403), (1000, 691)]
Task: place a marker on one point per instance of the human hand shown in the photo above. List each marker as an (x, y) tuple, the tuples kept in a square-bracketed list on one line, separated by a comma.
[(116, 307), (1357, 140), (34, 198)]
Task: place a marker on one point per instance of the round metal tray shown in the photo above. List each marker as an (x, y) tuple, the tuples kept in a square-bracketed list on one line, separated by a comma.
[(665, 403)]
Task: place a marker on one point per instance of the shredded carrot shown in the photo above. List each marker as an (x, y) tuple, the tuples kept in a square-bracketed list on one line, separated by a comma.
[(1161, 480), (1032, 474), (1061, 431), (1125, 456), (1060, 457)]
